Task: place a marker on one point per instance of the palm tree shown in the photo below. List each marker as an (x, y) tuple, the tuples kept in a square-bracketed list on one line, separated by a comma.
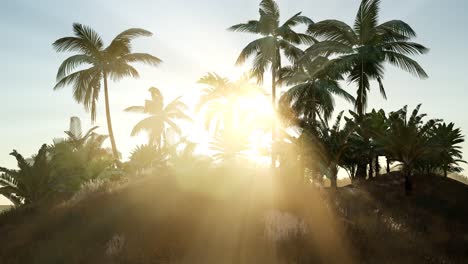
[(314, 85), (159, 117), (333, 143), (364, 48), (222, 99), (31, 183), (111, 62), (407, 140), (446, 141), (378, 126), (274, 38)]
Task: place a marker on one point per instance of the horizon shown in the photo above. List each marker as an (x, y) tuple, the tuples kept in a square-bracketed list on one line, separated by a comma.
[(36, 114)]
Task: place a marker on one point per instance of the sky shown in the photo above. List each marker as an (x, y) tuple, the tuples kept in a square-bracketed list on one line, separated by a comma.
[(191, 39)]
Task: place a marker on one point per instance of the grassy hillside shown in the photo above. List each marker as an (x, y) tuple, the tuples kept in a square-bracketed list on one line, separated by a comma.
[(248, 220), (4, 207)]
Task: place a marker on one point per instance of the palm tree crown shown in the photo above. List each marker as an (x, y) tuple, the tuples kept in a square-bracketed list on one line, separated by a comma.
[(266, 49), (364, 48)]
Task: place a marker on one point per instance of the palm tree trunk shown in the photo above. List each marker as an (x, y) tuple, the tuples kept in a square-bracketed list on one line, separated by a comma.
[(408, 182), (371, 167), (109, 121), (273, 125), (388, 164), (377, 166), (334, 178)]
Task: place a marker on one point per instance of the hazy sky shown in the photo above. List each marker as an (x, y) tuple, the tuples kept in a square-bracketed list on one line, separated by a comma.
[(191, 38)]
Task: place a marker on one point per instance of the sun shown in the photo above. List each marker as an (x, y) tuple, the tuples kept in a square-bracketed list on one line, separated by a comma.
[(246, 115)]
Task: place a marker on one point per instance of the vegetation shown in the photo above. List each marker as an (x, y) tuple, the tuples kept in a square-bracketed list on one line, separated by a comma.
[(193, 191)]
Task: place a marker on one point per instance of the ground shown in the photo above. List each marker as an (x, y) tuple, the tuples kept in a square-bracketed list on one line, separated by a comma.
[(158, 219)]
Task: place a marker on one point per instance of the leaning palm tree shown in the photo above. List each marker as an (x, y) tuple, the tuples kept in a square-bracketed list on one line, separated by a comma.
[(160, 117), (274, 38), (102, 63), (364, 48)]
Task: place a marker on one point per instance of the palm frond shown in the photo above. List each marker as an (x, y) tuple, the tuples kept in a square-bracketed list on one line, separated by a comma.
[(249, 27), (333, 30), (405, 63)]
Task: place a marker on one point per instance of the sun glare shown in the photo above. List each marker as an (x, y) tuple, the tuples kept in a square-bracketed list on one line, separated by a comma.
[(244, 117)]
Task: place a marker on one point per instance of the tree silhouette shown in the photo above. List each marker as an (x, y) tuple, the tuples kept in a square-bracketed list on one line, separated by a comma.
[(112, 62), (364, 48), (160, 117), (274, 38), (407, 140)]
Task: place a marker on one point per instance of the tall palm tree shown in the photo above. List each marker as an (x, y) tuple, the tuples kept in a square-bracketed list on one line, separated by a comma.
[(274, 38), (364, 48), (102, 63), (159, 117)]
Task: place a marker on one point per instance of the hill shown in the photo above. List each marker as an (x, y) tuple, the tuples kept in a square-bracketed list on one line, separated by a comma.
[(253, 220)]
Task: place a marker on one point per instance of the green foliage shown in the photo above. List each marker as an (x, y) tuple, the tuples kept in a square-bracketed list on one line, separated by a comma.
[(32, 182), (407, 139), (145, 159), (77, 164)]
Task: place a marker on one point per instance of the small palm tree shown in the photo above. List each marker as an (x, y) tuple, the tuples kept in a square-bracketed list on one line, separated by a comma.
[(333, 144), (31, 183), (104, 62), (160, 117), (446, 140), (144, 158), (274, 38), (77, 140), (364, 48), (407, 140)]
